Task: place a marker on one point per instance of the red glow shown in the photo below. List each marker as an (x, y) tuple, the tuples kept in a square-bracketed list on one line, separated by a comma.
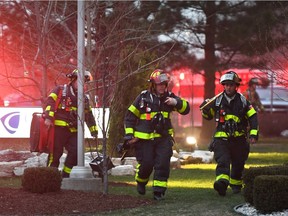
[(190, 86)]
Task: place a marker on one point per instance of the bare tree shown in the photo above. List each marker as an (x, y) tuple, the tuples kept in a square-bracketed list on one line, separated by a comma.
[(37, 43)]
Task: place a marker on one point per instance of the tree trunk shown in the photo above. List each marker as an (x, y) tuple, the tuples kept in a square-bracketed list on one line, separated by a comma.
[(209, 67)]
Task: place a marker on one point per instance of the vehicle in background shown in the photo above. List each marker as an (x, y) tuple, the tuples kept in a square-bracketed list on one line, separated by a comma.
[(273, 121), (274, 98)]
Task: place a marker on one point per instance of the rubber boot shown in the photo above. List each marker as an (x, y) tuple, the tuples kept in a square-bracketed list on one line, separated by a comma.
[(220, 187), (141, 188), (65, 175)]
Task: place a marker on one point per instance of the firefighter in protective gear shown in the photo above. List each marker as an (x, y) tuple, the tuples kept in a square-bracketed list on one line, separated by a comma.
[(148, 120), (232, 113), (64, 120), (252, 95)]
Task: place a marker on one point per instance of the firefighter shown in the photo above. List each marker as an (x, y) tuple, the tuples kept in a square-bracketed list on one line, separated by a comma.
[(252, 95), (230, 144), (148, 122), (64, 120)]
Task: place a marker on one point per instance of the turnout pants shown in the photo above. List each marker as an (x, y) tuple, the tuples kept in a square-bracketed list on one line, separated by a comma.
[(231, 156), (68, 140), (154, 155)]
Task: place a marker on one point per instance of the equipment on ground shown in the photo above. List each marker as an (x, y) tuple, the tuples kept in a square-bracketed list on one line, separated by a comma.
[(97, 165)]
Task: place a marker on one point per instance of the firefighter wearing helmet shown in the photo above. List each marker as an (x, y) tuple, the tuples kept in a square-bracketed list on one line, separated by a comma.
[(148, 128), (61, 121), (252, 95), (74, 74), (233, 114)]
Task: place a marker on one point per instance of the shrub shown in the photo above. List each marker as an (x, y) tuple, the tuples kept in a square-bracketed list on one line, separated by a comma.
[(270, 193), (41, 179), (250, 174)]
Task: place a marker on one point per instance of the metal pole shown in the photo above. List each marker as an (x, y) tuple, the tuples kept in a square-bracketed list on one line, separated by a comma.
[(80, 81)]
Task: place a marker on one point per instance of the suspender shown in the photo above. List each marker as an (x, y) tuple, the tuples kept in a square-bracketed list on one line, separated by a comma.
[(243, 99), (219, 113), (219, 99)]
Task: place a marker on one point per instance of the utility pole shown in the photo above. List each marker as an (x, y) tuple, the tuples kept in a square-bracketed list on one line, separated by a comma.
[(80, 80), (81, 177)]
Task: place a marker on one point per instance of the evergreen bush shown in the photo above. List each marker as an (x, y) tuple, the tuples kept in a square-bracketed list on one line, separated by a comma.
[(250, 174), (270, 193), (41, 179)]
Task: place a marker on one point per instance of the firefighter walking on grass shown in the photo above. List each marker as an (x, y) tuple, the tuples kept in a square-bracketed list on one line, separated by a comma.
[(148, 122), (61, 113), (230, 144)]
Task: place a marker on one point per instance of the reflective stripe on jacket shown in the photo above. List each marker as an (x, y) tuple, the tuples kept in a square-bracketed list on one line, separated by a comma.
[(242, 114), (65, 114), (139, 117)]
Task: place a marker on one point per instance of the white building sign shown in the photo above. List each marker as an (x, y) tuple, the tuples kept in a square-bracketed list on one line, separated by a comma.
[(16, 122)]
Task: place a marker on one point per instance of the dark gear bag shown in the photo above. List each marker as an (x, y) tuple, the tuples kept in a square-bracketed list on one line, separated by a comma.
[(35, 132), (41, 138)]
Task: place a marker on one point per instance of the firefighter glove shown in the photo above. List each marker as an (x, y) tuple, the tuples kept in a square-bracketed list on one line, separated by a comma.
[(128, 137), (121, 147), (206, 107), (171, 101), (211, 146), (204, 103), (48, 122), (130, 140)]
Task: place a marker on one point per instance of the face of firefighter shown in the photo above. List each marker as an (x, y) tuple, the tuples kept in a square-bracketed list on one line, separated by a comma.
[(161, 88), (230, 88)]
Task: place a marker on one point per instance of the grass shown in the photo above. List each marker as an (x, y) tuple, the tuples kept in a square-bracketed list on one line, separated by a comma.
[(190, 192), (190, 189)]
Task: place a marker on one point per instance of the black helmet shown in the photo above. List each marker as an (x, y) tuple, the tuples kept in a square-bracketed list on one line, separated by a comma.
[(230, 76)]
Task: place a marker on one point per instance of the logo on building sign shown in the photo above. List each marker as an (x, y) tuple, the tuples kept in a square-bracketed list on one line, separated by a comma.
[(11, 121)]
